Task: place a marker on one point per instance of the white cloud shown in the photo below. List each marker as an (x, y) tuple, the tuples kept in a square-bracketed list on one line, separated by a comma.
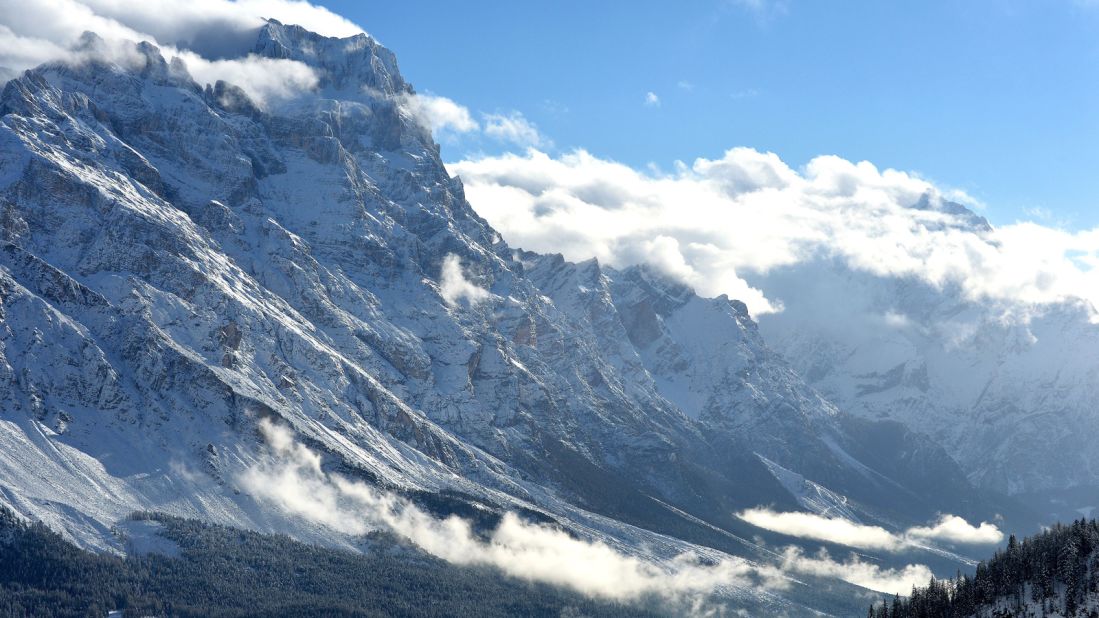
[(858, 572), (514, 128), (61, 22), (954, 529), (685, 85), (439, 113), (651, 99), (19, 52), (748, 213), (262, 78), (211, 36), (832, 530), (447, 118), (166, 22), (214, 39), (173, 22), (949, 528), (291, 478), (454, 287)]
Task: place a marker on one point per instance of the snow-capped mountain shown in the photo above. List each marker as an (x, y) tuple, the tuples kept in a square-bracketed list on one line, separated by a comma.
[(179, 263), (1011, 395)]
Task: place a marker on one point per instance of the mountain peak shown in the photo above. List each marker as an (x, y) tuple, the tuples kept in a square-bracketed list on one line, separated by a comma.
[(349, 63), (966, 217), (662, 291), (183, 269)]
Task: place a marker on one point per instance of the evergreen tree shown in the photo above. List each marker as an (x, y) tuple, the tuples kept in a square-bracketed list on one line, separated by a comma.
[(1058, 570), (229, 573)]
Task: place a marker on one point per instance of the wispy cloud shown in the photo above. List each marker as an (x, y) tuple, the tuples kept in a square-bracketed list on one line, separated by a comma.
[(513, 128), (1040, 213), (448, 119), (651, 99), (816, 527), (290, 477), (454, 287), (954, 529), (762, 9), (857, 571), (554, 107), (439, 113), (264, 79), (948, 528)]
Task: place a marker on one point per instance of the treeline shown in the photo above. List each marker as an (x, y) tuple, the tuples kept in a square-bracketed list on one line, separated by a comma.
[(1053, 573), (227, 572)]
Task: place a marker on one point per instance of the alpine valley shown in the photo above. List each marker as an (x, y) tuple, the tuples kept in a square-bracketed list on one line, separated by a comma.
[(283, 316)]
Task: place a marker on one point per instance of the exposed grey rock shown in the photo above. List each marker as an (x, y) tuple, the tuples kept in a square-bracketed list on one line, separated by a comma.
[(179, 262)]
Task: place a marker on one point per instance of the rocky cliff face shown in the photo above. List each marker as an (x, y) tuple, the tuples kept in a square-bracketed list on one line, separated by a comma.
[(178, 262)]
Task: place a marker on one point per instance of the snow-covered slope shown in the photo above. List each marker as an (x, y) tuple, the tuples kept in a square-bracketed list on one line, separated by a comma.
[(706, 357), (178, 263), (1012, 397)]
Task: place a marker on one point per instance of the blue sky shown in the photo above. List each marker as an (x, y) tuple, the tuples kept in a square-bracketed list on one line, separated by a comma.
[(997, 98)]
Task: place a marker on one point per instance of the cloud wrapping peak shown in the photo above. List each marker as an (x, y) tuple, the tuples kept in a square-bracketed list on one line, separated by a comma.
[(193, 22), (719, 223), (212, 37), (264, 79)]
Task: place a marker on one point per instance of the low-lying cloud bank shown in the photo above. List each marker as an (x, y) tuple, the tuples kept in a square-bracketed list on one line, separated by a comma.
[(832, 530), (954, 529), (211, 37), (858, 572), (949, 528), (291, 478), (715, 222)]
